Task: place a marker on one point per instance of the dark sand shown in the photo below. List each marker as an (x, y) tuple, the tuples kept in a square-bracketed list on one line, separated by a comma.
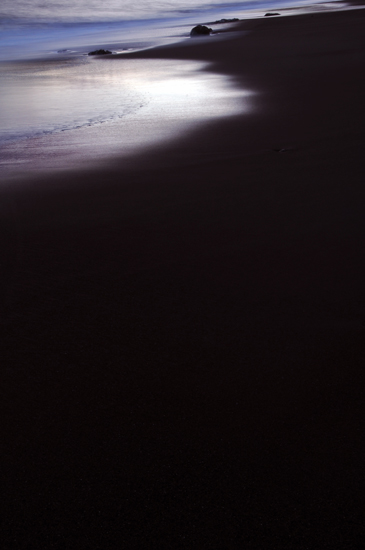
[(183, 336)]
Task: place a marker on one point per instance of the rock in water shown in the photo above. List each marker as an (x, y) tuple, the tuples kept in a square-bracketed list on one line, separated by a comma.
[(234, 20), (99, 52), (200, 30)]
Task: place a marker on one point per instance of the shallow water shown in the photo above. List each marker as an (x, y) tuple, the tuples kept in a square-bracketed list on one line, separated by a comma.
[(47, 97), (60, 108), (61, 115)]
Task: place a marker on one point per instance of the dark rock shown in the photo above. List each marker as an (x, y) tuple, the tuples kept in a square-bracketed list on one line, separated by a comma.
[(200, 30), (234, 20), (99, 52), (271, 14)]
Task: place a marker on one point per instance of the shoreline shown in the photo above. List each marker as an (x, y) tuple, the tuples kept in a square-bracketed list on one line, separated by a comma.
[(39, 152), (215, 53), (184, 331)]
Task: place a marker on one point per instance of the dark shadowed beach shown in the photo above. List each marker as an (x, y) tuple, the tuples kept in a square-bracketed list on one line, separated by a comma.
[(183, 331)]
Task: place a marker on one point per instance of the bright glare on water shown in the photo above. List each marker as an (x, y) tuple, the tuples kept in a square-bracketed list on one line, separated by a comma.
[(59, 107), (57, 115), (47, 97)]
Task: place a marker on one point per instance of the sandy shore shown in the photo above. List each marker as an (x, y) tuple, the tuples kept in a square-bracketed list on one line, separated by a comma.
[(183, 335)]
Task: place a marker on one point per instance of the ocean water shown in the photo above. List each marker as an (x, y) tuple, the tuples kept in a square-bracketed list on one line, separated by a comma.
[(79, 112), (31, 27), (117, 10), (58, 104)]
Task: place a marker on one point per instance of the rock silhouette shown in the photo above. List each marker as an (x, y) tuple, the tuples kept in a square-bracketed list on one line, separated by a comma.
[(200, 30), (99, 52)]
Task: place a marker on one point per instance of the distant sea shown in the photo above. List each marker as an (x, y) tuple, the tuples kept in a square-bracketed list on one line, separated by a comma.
[(50, 88), (30, 27)]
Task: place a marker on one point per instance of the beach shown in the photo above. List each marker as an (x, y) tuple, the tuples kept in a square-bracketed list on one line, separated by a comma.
[(183, 327)]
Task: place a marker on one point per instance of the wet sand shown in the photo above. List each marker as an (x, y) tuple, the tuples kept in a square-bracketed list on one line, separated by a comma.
[(183, 334)]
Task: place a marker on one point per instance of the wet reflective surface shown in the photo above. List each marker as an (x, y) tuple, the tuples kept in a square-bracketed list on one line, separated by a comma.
[(56, 114)]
